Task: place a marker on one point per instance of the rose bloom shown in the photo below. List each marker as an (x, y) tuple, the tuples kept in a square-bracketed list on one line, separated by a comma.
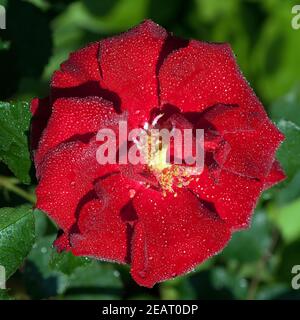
[(161, 220)]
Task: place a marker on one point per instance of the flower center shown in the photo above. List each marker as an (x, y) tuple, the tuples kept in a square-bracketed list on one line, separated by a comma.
[(155, 151)]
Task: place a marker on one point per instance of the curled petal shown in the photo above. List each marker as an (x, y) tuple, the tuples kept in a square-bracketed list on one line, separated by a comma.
[(251, 153), (66, 174), (80, 117), (233, 196), (105, 222)]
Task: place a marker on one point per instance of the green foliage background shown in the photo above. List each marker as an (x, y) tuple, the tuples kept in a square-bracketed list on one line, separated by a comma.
[(40, 34)]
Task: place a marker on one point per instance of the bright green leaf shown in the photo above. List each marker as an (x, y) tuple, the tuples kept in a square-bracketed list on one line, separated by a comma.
[(16, 237), (14, 128), (287, 219)]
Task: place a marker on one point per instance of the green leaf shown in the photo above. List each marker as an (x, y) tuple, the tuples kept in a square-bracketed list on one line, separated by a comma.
[(178, 288), (41, 281), (49, 274), (4, 295), (287, 107), (289, 157), (249, 245), (276, 53), (16, 237), (97, 280), (289, 152), (14, 128), (100, 8), (287, 219), (222, 279), (66, 262), (273, 291), (289, 192), (43, 224)]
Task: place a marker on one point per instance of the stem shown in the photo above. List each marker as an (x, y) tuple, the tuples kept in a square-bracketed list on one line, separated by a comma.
[(10, 184)]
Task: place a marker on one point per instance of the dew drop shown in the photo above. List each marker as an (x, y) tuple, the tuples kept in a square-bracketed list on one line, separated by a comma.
[(44, 250), (132, 193)]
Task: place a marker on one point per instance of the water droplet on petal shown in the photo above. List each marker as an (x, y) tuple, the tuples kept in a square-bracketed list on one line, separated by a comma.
[(132, 193)]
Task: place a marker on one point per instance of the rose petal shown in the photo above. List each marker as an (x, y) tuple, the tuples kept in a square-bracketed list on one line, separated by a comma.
[(104, 226), (231, 119), (66, 174), (79, 75), (79, 116), (62, 242), (173, 235), (251, 153), (202, 75), (275, 176), (234, 196), (128, 66)]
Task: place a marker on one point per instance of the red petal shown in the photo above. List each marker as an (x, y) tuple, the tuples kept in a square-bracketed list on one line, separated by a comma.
[(251, 153), (173, 235), (80, 72), (251, 140), (105, 221), (234, 196), (66, 174), (232, 119), (275, 176), (128, 65), (74, 117), (205, 74), (62, 242)]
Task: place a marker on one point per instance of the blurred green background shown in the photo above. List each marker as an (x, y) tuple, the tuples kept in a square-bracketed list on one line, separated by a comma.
[(257, 263)]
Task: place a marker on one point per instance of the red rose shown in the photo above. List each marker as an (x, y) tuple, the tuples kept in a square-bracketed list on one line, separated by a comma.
[(160, 221)]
